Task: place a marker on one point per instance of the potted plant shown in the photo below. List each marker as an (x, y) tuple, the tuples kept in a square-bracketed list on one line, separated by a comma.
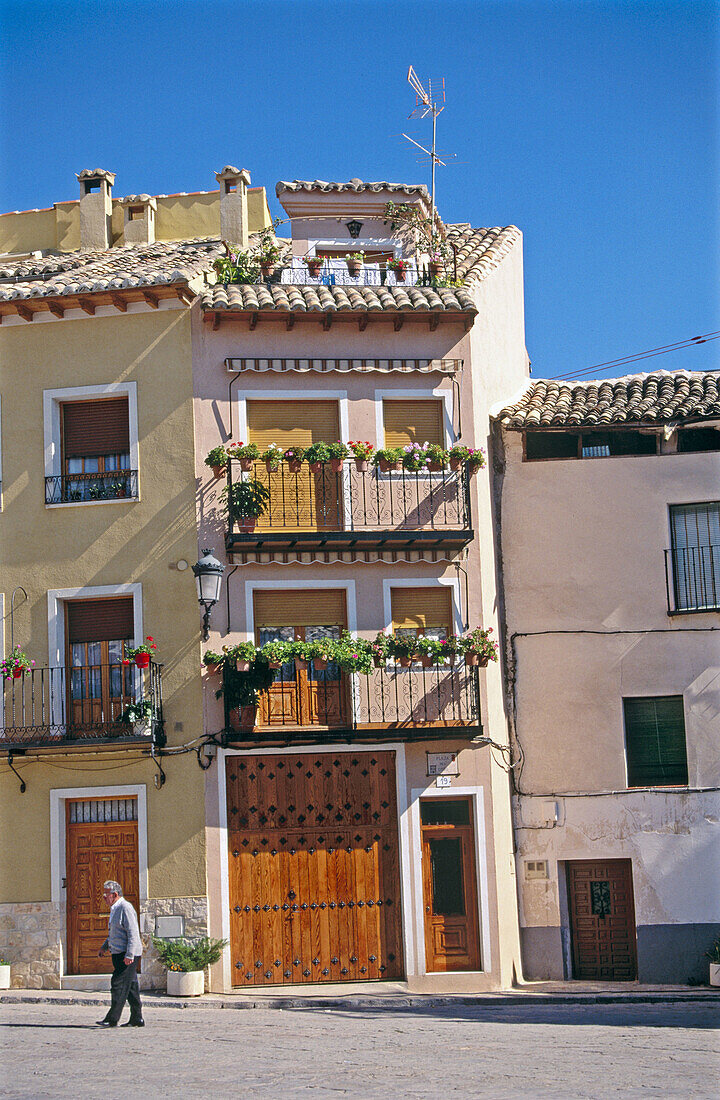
[(316, 456), (216, 459), (137, 714), (449, 649), (436, 457), (338, 453), (294, 457), (245, 501), (322, 652), (243, 654), (213, 661), (16, 665), (4, 973), (415, 457), (186, 963), (277, 653), (141, 654), (245, 453), (354, 654), (272, 457), (313, 264), (362, 453), (302, 655), (714, 956), (354, 261), (478, 647), (475, 459), (429, 649), (236, 267), (403, 647), (457, 455), (380, 649), (242, 690), (399, 267), (389, 459), (267, 250)]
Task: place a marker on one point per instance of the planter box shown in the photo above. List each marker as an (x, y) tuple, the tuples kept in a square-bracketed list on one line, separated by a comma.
[(5, 976), (190, 983), (714, 973)]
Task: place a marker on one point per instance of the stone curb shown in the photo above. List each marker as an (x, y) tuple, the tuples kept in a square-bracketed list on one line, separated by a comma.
[(387, 1003)]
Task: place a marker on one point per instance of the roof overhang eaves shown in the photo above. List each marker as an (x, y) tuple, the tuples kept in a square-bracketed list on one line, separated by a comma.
[(464, 317), (56, 303)]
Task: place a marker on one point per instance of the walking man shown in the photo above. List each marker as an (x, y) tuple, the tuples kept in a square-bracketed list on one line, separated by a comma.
[(124, 944)]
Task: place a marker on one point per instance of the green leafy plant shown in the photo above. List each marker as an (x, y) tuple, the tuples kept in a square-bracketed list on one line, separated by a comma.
[(317, 452), (137, 712), (415, 456), (211, 658), (430, 647), (323, 649), (436, 455), (267, 250), (354, 654), (242, 689), (236, 267), (355, 257), (243, 450), (277, 652), (272, 456), (387, 456), (148, 646), (245, 499), (361, 449), (380, 648), (426, 236), (479, 642), (476, 458), (402, 645), (243, 651), (217, 456), (399, 266), (714, 953), (294, 454), (16, 665), (185, 956), (337, 450)]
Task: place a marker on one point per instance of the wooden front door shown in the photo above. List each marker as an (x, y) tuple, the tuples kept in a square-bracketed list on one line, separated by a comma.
[(102, 844), (449, 889), (100, 686), (602, 919), (313, 864)]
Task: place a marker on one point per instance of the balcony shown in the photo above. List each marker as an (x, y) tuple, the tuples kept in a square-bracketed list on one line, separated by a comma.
[(352, 509), (87, 488), (692, 579), (79, 706), (388, 703)]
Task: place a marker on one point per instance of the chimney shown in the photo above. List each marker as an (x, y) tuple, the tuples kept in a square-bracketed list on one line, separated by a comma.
[(95, 207), (139, 214), (234, 183)]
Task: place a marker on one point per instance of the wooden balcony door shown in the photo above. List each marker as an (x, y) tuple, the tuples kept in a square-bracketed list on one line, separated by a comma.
[(452, 939), (99, 686)]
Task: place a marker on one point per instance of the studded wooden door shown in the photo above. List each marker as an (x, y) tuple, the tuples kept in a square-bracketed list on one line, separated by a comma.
[(313, 864), (97, 850), (602, 919)]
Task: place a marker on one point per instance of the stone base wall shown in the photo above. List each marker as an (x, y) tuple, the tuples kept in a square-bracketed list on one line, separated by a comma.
[(31, 940)]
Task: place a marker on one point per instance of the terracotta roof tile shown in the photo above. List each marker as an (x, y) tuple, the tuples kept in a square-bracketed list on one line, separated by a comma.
[(352, 185), (659, 397)]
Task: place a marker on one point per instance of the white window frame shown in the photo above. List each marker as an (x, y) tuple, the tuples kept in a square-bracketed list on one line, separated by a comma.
[(426, 582), (416, 394), (56, 619), (52, 429), (251, 587)]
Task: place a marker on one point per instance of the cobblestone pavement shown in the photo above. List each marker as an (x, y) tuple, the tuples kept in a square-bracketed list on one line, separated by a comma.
[(559, 1051)]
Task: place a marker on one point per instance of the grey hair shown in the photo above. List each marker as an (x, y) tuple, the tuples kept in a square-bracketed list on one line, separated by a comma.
[(114, 886)]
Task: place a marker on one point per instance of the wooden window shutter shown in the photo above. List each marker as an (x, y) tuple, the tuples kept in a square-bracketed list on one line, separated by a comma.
[(96, 427), (655, 741), (100, 620), (292, 423), (413, 422), (421, 608), (310, 607)]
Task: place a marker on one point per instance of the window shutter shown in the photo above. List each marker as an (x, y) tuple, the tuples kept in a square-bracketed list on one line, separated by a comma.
[(655, 741), (292, 423), (96, 427), (100, 620), (421, 608), (310, 607), (413, 422)]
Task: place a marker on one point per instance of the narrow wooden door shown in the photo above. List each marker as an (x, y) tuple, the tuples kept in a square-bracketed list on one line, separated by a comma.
[(100, 686), (602, 919), (452, 939), (97, 850)]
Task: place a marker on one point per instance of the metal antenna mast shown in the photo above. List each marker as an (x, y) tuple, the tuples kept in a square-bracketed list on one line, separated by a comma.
[(426, 105)]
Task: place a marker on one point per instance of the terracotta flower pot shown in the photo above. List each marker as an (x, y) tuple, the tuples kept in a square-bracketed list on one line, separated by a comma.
[(455, 463), (483, 662), (267, 270), (247, 464), (378, 661), (142, 660), (241, 665), (316, 467), (320, 665), (248, 717), (427, 661), (275, 664), (435, 268), (336, 465), (471, 659), (272, 467), (212, 668), (473, 470), (388, 467), (295, 465), (314, 270), (354, 267), (404, 662), (247, 523), (218, 471), (361, 464), (435, 467), (300, 665)]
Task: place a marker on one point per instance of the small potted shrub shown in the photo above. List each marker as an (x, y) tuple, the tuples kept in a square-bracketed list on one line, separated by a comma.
[(138, 714), (4, 973), (457, 455), (475, 459), (313, 264), (213, 662), (436, 265), (141, 654), (16, 665), (380, 648), (242, 689), (399, 267), (244, 655), (354, 261), (217, 460), (277, 653), (478, 647), (294, 457), (429, 649), (714, 956), (436, 457), (403, 647), (354, 654), (316, 456), (267, 252), (338, 453), (186, 963), (415, 457), (272, 456), (302, 655), (245, 501), (322, 652), (389, 459), (362, 453), (449, 649), (245, 453)]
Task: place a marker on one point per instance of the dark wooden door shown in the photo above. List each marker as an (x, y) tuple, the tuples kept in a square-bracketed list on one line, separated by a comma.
[(100, 686), (314, 871), (449, 886), (96, 851), (602, 919), (304, 697)]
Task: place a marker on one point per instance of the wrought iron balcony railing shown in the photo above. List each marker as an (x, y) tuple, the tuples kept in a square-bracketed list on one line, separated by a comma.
[(350, 507), (389, 701), (83, 705), (81, 488), (692, 578)]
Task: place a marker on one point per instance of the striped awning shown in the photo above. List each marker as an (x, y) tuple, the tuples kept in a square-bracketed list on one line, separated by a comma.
[(343, 366), (332, 557)]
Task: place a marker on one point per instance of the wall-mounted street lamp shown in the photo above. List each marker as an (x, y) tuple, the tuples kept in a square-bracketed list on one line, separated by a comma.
[(208, 577)]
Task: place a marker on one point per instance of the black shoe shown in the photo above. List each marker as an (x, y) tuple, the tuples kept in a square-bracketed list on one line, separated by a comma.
[(106, 1023), (134, 1023)]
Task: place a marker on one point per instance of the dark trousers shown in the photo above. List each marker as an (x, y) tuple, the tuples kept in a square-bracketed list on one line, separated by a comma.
[(124, 987)]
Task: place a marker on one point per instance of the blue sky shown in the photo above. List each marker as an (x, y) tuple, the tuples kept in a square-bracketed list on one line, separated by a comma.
[(592, 126)]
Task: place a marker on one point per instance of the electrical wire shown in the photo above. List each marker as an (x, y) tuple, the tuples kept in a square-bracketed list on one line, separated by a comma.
[(664, 349)]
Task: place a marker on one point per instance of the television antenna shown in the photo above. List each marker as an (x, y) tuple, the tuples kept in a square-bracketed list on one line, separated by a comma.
[(426, 103)]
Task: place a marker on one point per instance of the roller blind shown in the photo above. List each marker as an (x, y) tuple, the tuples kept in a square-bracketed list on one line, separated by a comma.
[(292, 423), (96, 427), (655, 741), (311, 607), (413, 422), (421, 608), (100, 620)]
